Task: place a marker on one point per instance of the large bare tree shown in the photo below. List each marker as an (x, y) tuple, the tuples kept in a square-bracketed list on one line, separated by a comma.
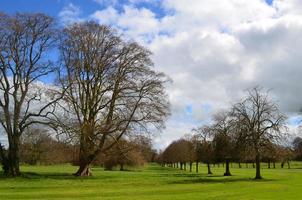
[(259, 122), (24, 41), (112, 89)]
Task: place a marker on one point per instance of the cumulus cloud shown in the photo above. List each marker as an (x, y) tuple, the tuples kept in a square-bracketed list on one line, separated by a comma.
[(214, 50), (138, 23)]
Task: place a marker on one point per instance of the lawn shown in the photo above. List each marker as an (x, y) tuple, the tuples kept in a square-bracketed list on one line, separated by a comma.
[(153, 182)]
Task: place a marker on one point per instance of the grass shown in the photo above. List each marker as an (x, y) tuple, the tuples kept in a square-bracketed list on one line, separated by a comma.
[(153, 182)]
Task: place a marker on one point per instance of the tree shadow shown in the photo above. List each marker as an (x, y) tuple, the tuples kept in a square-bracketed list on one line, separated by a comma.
[(218, 179), (49, 175)]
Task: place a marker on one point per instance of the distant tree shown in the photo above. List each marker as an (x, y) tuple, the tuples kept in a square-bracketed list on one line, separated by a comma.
[(286, 155), (259, 121), (24, 42), (125, 153), (38, 147), (144, 146), (223, 139), (297, 145), (270, 154), (205, 150), (111, 89)]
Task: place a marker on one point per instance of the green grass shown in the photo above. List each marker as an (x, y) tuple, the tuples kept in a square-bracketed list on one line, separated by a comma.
[(153, 182)]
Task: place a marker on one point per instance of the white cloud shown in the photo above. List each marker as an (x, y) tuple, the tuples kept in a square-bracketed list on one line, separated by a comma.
[(213, 50), (70, 14), (138, 23), (292, 7)]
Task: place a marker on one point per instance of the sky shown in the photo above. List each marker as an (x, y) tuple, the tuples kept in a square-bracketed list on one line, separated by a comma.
[(213, 50)]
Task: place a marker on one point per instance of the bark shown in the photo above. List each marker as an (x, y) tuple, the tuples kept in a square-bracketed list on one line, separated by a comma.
[(87, 152), (227, 168), (4, 160), (258, 175), (13, 158), (84, 170), (209, 168)]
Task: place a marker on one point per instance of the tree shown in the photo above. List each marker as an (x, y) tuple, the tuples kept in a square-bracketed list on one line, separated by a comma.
[(39, 147), (205, 151), (111, 90), (125, 153), (259, 122), (24, 41), (297, 145), (224, 140)]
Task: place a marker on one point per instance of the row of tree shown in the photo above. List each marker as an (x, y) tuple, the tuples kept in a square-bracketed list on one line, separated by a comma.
[(104, 87), (37, 147), (253, 130)]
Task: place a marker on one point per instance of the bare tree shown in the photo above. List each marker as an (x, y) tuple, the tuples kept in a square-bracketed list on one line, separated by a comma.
[(223, 139), (260, 122), (24, 41), (112, 90), (205, 151)]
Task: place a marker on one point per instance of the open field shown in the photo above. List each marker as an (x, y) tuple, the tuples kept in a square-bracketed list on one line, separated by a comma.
[(152, 182)]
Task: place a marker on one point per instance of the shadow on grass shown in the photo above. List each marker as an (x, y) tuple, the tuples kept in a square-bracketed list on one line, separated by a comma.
[(33, 175), (66, 176), (218, 179)]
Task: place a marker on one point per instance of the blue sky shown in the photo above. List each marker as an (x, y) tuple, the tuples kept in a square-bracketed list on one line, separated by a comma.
[(53, 7)]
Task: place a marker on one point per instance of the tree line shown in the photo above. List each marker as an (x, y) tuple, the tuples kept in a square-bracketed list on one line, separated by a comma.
[(103, 92), (251, 131)]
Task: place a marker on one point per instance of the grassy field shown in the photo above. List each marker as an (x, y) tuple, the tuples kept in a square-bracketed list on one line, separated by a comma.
[(153, 182)]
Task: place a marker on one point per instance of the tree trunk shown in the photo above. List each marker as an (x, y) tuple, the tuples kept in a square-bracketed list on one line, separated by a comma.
[(239, 165), (185, 166), (181, 164), (4, 160), (87, 151), (13, 157), (84, 169), (196, 166), (269, 165), (227, 168), (274, 165), (191, 166), (209, 168), (121, 167), (282, 165), (177, 165), (288, 165), (258, 175), (253, 165)]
